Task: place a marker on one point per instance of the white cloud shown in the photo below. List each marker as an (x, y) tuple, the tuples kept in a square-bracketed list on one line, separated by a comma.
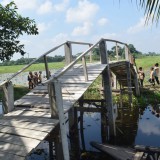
[(139, 26), (22, 4), (43, 26), (83, 12), (46, 7), (83, 30), (102, 21), (61, 6)]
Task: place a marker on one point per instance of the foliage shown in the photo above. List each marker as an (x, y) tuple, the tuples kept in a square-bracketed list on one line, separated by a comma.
[(152, 9), (125, 99), (12, 25), (151, 96), (93, 91)]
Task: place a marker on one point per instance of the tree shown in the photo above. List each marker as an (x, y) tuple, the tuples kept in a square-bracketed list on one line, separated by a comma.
[(152, 9), (12, 25), (120, 50), (132, 48)]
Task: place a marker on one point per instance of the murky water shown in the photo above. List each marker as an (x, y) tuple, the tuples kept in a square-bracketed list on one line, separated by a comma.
[(148, 132), (134, 126)]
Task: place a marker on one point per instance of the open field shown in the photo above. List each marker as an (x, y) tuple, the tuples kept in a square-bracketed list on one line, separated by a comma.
[(147, 62), (34, 67)]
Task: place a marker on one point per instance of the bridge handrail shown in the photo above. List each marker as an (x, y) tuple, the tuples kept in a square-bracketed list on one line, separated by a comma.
[(73, 62), (82, 55), (28, 65)]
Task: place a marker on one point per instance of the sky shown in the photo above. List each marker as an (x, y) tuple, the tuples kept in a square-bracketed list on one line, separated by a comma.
[(86, 21)]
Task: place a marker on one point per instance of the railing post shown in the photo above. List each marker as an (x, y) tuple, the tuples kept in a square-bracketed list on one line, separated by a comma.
[(52, 100), (59, 104), (90, 54), (46, 67), (9, 96), (117, 52), (126, 53), (129, 82), (85, 68), (68, 53), (107, 86), (114, 81), (137, 90)]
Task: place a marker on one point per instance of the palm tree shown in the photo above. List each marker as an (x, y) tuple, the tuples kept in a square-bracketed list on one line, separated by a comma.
[(152, 9)]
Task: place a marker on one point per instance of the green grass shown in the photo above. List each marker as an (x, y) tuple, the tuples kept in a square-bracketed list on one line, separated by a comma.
[(34, 67), (147, 62)]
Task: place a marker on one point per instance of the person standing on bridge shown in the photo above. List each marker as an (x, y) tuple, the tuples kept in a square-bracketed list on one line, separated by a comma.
[(141, 76), (30, 80)]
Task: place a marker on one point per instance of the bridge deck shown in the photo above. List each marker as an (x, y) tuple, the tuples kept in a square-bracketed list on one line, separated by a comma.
[(22, 129), (73, 87)]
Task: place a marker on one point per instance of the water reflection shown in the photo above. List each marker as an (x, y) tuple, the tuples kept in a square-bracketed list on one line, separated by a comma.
[(91, 128), (148, 129), (134, 126)]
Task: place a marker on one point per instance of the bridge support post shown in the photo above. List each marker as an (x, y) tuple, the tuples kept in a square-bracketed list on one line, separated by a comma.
[(59, 104), (68, 53), (129, 82), (104, 133), (81, 126), (73, 133), (136, 85), (107, 87)]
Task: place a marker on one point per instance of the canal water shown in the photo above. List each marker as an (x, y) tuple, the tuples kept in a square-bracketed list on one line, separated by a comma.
[(134, 126)]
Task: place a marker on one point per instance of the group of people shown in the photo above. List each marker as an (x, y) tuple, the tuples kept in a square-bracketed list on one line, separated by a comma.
[(154, 73), (34, 79)]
